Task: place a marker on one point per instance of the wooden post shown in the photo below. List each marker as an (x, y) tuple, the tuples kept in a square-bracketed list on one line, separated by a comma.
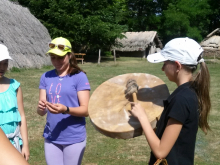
[(150, 50), (99, 56), (214, 58), (114, 57), (144, 54)]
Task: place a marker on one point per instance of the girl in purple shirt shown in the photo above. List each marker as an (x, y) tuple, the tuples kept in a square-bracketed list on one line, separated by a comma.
[(64, 97)]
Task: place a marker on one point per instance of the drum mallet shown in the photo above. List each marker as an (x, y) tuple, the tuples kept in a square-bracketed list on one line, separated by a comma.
[(132, 89)]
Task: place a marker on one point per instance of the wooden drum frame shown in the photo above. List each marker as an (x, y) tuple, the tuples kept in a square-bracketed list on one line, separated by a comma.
[(109, 106)]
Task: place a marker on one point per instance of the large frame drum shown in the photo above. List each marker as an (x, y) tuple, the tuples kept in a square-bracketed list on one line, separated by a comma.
[(109, 106)]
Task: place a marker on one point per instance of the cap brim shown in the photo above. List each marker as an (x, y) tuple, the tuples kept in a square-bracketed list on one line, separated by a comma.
[(6, 58), (57, 52), (156, 58)]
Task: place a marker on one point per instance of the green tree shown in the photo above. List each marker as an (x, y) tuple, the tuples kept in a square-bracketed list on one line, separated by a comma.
[(96, 24), (142, 15), (101, 19), (215, 15), (87, 24), (182, 18)]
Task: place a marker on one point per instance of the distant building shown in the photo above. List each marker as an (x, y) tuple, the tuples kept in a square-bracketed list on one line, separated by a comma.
[(138, 44), (24, 35), (211, 44)]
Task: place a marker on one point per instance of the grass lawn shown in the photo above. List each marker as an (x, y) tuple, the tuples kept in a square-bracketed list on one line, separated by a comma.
[(102, 150)]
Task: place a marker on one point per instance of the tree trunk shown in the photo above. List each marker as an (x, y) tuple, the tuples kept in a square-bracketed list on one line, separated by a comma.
[(144, 54)]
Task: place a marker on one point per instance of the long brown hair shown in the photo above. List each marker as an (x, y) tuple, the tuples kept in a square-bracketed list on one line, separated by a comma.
[(73, 67), (201, 85)]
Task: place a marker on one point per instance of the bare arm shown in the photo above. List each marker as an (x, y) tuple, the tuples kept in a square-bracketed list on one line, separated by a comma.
[(160, 148), (23, 128), (81, 111), (41, 108), (9, 154)]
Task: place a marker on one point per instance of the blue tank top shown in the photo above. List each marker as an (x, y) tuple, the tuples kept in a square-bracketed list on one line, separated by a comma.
[(9, 114)]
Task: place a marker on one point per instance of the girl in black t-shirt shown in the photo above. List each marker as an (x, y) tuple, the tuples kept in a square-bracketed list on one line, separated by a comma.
[(185, 110)]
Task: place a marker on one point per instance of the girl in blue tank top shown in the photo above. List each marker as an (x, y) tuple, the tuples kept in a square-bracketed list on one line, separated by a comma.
[(12, 116)]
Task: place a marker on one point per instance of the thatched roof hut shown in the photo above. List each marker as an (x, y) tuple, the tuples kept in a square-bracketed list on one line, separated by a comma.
[(211, 44), (139, 43), (24, 35)]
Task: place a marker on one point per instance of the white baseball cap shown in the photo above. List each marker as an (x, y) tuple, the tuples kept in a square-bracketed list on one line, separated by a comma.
[(184, 50), (4, 54)]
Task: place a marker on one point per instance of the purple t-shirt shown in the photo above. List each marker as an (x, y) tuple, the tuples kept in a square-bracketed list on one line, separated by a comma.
[(64, 128)]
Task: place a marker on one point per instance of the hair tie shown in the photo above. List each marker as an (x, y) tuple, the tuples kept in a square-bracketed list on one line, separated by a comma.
[(201, 60)]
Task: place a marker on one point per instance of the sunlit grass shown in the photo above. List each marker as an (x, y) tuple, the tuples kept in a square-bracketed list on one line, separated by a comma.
[(102, 150)]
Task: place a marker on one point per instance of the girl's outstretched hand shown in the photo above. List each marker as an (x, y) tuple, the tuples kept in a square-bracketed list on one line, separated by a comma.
[(25, 152), (56, 108), (137, 110)]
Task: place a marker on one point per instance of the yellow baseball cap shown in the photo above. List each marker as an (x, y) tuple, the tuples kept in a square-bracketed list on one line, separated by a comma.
[(59, 46)]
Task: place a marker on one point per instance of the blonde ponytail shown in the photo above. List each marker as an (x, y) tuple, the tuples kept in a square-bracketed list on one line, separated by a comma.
[(201, 84)]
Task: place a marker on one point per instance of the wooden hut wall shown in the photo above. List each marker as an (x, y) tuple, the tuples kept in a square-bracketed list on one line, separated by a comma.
[(130, 54), (211, 44)]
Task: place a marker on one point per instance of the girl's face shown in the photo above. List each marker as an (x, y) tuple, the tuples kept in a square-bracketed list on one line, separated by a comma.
[(3, 67), (61, 63), (169, 68)]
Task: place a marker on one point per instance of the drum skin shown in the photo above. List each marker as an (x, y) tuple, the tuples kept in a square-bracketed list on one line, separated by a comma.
[(109, 106)]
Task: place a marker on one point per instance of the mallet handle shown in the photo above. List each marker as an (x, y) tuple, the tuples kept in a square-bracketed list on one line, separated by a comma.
[(134, 95)]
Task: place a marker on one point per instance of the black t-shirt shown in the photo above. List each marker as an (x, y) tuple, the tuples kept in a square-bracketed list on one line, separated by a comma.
[(181, 105)]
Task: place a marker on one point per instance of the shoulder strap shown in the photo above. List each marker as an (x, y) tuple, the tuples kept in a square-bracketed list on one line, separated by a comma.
[(159, 161)]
